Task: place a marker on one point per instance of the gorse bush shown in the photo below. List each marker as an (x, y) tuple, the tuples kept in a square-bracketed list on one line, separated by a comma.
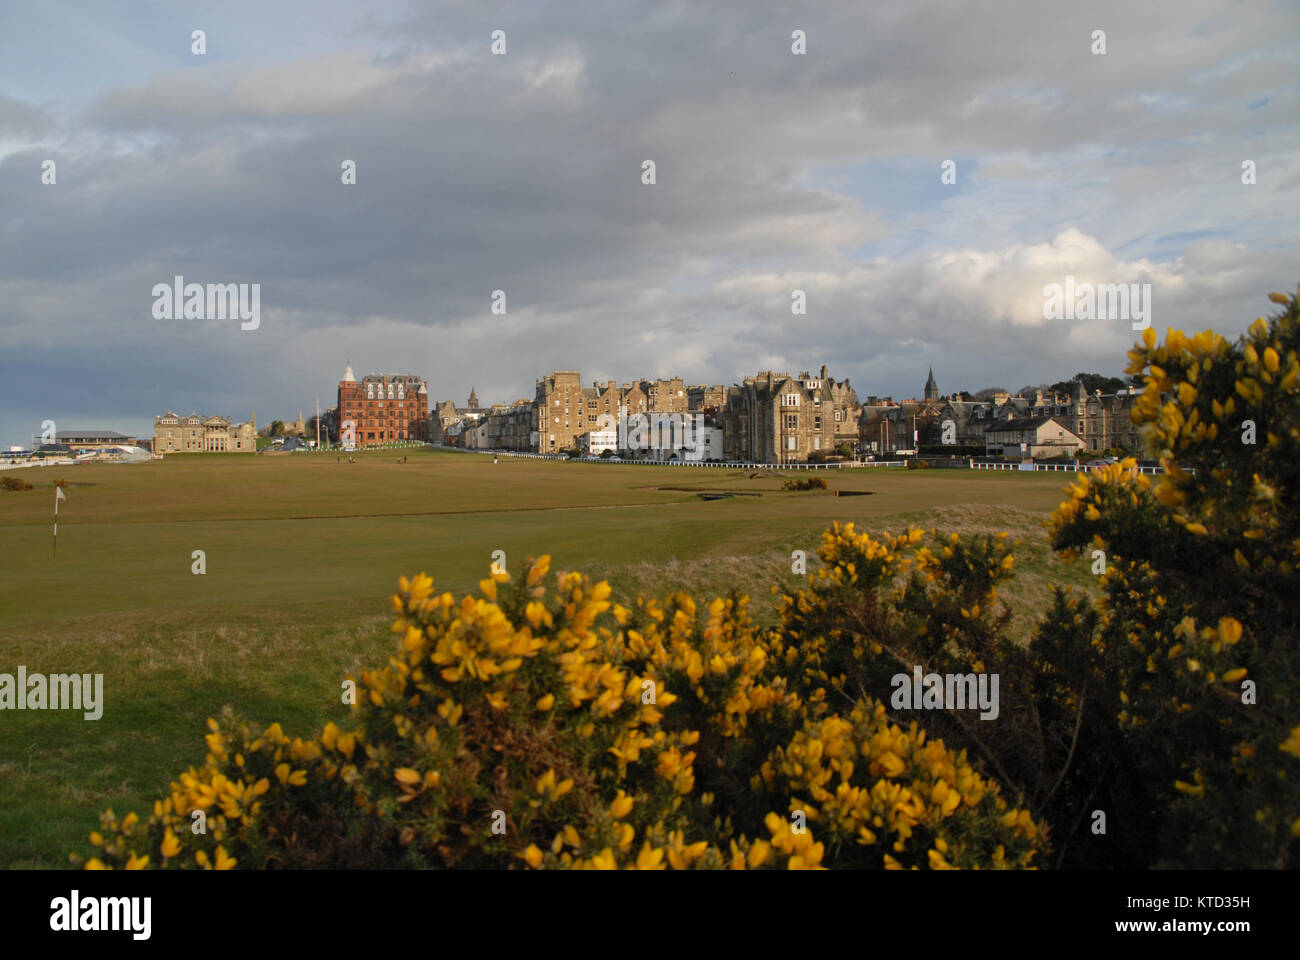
[(1191, 669), (540, 722), (557, 728), (14, 483), (807, 483)]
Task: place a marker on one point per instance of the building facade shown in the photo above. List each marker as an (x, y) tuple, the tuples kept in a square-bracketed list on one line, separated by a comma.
[(1031, 438), (94, 439), (381, 408), (560, 410), (669, 436), (777, 418), (195, 434), (710, 401)]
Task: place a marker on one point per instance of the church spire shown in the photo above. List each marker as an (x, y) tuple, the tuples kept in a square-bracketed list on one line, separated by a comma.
[(931, 388)]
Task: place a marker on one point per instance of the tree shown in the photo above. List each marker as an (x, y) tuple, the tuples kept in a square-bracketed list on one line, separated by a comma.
[(1092, 382), (988, 393), (277, 428)]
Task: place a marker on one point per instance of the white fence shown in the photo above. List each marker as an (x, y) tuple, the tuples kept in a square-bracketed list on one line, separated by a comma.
[(723, 465), (839, 465), (1055, 467)]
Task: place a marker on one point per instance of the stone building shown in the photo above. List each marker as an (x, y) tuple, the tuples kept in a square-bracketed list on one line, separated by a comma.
[(709, 401), (1100, 421), (885, 426), (665, 396), (195, 434), (560, 411), (603, 404), (1031, 438), (777, 418), (1105, 421), (382, 407), (445, 414), (441, 416)]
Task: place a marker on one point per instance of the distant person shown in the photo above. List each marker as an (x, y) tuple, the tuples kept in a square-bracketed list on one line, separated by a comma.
[(494, 459)]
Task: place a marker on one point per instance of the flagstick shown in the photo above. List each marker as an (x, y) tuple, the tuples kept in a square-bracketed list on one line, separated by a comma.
[(55, 554)]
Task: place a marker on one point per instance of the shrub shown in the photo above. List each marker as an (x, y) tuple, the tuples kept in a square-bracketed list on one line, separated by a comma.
[(1196, 649), (915, 464), (14, 483), (558, 728), (809, 483)]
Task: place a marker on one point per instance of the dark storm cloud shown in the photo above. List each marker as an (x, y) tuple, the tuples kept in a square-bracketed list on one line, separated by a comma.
[(522, 173)]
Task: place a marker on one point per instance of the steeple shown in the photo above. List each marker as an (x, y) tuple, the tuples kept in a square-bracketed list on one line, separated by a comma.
[(931, 388), (473, 399)]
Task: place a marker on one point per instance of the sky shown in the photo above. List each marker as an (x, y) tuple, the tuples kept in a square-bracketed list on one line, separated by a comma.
[(523, 172)]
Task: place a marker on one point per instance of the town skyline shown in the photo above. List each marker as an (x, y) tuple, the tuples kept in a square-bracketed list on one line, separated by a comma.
[(144, 425)]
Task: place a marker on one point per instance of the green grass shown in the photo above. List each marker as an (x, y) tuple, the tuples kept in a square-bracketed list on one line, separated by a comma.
[(302, 552)]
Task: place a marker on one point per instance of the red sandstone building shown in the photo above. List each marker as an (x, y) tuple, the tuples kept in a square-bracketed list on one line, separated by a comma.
[(380, 408)]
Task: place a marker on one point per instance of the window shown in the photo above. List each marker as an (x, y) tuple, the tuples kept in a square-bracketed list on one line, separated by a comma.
[(839, 416), (792, 421), (817, 423), (789, 399), (791, 443), (817, 443)]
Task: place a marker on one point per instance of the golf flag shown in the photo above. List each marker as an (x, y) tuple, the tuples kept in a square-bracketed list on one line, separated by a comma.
[(58, 495)]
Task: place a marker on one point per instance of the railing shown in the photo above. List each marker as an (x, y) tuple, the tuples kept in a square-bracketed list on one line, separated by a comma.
[(1074, 467), (723, 464), (973, 464)]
